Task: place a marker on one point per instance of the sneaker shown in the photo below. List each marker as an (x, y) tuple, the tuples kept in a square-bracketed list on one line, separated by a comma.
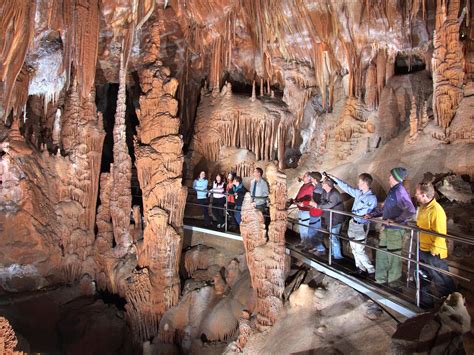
[(371, 271), (218, 226)]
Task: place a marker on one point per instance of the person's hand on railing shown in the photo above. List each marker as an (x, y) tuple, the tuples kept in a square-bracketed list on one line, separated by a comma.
[(313, 204), (367, 216)]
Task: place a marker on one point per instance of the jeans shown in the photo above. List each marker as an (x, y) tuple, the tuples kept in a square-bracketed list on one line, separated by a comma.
[(444, 284), (237, 214), (335, 243), (315, 236), (303, 220), (218, 205), (205, 209)]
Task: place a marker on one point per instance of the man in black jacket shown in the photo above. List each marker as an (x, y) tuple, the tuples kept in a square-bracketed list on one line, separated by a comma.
[(331, 198)]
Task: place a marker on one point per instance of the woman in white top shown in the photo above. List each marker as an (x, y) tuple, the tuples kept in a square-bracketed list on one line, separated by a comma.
[(218, 200)]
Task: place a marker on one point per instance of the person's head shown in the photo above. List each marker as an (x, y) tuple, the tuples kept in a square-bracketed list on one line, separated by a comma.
[(425, 192), (328, 184), (397, 175), (218, 178), (307, 177), (230, 176), (316, 177), (237, 181), (365, 181), (258, 173), (202, 175)]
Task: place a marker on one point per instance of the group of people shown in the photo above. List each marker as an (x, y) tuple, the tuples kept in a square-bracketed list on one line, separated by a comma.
[(231, 192), (318, 193)]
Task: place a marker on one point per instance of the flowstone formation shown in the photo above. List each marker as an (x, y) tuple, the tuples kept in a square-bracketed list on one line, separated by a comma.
[(231, 120), (266, 255)]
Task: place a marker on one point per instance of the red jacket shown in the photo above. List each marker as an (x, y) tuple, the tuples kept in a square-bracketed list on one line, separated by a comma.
[(305, 195)]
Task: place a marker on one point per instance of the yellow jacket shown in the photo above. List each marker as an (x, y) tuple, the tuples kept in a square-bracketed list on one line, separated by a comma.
[(433, 217)]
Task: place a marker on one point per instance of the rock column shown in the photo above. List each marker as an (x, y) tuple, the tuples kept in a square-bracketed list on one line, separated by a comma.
[(266, 256)]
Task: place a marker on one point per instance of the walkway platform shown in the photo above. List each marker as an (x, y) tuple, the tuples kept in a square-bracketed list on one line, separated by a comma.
[(343, 270)]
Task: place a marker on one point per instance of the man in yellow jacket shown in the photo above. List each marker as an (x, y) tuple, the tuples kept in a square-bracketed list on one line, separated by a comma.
[(433, 249)]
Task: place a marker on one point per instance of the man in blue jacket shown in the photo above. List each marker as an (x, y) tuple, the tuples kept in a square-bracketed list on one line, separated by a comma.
[(397, 208), (365, 202)]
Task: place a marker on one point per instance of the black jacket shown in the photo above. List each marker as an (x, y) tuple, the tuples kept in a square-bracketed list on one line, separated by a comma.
[(239, 198), (332, 200)]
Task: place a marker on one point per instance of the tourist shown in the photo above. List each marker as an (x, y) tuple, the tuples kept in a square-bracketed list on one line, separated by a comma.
[(259, 190), (302, 199), (239, 192), (433, 249), (200, 185), (315, 215), (218, 200), (397, 208), (365, 202), (332, 199), (230, 197)]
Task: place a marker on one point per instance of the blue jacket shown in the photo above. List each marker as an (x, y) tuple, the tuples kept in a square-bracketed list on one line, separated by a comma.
[(364, 203), (397, 206), (200, 186)]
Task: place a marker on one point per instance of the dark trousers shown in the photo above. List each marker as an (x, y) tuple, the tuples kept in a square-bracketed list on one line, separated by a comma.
[(444, 284), (218, 205), (205, 209)]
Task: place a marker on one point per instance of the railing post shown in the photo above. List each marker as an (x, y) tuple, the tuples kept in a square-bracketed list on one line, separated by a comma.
[(330, 238), (225, 213), (410, 251), (418, 269)]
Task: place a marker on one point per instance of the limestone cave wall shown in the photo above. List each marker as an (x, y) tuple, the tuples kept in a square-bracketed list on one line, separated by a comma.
[(346, 86)]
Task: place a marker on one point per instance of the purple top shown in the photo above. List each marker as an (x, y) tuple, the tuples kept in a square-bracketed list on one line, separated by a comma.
[(397, 206)]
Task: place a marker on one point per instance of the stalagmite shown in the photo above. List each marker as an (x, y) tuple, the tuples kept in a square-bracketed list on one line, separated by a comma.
[(266, 258), (413, 122), (254, 95), (105, 234), (447, 63), (8, 340), (121, 173), (424, 116), (159, 161)]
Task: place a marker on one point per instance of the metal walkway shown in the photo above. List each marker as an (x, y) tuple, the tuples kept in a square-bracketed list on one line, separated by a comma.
[(377, 294)]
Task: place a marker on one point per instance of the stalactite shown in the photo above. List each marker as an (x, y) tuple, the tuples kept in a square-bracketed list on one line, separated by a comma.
[(237, 126), (121, 173), (381, 70), (371, 93), (266, 258), (16, 33), (447, 63)]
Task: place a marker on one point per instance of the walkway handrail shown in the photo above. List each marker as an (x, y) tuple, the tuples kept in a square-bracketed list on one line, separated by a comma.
[(459, 238)]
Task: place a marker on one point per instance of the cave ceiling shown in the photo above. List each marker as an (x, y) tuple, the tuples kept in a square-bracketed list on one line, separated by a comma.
[(243, 40)]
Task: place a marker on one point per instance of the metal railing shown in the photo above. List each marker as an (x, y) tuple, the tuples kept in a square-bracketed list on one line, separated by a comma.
[(414, 231)]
